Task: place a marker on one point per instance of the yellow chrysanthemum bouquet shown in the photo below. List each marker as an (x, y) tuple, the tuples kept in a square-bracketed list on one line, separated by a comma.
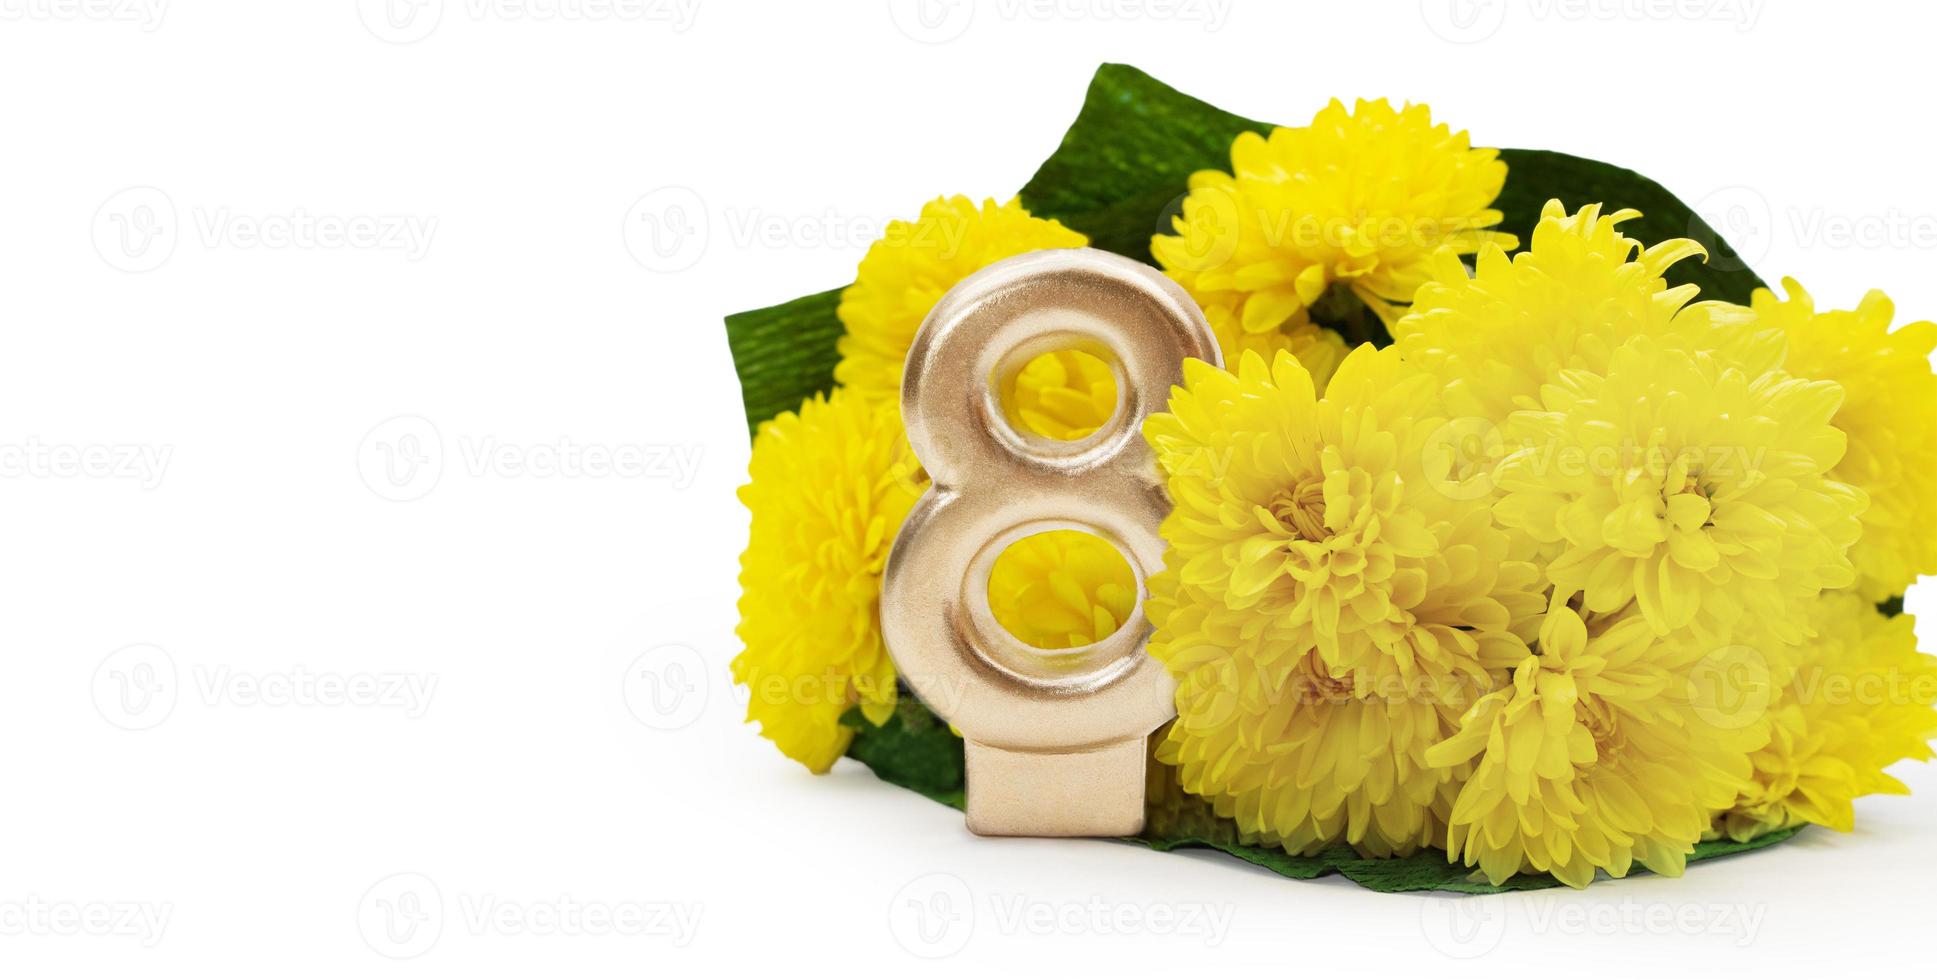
[(1512, 544)]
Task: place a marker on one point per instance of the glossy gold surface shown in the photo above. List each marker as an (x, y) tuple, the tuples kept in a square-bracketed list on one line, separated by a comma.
[(1055, 737)]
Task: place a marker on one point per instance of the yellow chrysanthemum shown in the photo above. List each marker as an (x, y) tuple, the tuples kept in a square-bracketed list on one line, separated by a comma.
[(1860, 701), (1608, 749), (829, 488), (1681, 483), (1065, 394), (1359, 200), (1566, 303), (1890, 413), (913, 264), (1061, 589), (1327, 606)]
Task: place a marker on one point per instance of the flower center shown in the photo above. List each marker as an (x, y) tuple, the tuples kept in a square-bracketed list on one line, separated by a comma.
[(1608, 740), (1316, 685), (1303, 509), (1692, 484)]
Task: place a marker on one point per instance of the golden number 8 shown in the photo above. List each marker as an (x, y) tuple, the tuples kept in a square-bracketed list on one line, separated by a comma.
[(1055, 739)]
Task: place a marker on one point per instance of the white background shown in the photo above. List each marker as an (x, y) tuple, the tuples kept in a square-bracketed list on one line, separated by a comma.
[(338, 230)]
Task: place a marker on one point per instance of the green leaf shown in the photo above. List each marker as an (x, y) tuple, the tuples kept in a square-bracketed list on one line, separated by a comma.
[(913, 750), (1424, 871), (784, 354)]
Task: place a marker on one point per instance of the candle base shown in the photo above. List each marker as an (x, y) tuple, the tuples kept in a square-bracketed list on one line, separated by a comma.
[(1094, 793)]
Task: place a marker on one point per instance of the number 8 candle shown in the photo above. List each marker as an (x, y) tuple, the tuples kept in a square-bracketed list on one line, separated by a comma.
[(1055, 738)]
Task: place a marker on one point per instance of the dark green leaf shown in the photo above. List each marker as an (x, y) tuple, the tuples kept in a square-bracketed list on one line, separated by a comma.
[(784, 354), (913, 750)]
